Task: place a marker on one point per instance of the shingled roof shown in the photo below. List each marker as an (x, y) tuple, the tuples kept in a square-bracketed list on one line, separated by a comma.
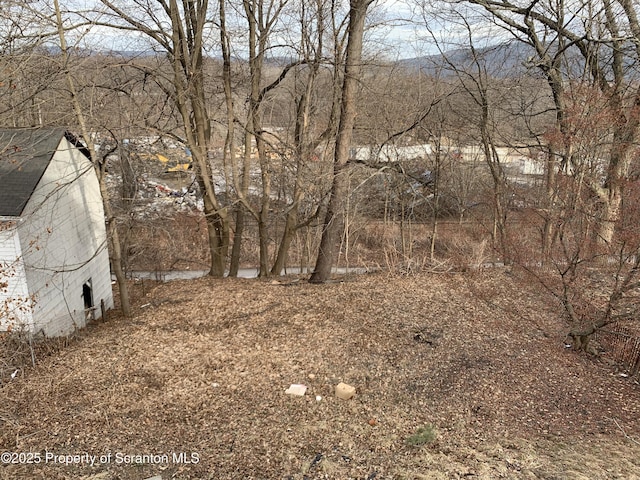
[(24, 156)]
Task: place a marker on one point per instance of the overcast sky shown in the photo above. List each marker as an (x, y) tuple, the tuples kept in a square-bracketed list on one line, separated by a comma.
[(397, 30)]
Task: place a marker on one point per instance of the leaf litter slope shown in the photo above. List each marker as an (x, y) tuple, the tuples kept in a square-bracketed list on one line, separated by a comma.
[(204, 368)]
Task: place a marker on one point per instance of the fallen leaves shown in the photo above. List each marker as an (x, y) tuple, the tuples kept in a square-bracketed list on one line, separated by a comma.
[(204, 368)]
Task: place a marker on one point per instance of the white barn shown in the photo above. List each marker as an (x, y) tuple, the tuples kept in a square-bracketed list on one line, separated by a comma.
[(54, 262)]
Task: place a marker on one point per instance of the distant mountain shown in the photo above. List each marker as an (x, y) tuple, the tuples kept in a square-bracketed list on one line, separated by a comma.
[(91, 52), (513, 59), (503, 60)]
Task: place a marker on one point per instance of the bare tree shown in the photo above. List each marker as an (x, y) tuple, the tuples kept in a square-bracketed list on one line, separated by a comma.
[(28, 71), (309, 131), (477, 82), (184, 44), (261, 18), (585, 52), (352, 73), (264, 20), (598, 50), (240, 176)]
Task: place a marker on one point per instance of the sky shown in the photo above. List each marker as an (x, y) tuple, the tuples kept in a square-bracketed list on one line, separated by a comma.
[(397, 30), (392, 31)]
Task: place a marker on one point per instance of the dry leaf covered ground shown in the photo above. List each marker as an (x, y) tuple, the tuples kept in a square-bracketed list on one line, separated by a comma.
[(193, 387)]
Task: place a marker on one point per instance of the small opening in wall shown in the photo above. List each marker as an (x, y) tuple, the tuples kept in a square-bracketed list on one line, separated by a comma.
[(87, 295)]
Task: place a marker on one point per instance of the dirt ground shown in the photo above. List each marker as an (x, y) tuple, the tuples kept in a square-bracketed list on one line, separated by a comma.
[(193, 387)]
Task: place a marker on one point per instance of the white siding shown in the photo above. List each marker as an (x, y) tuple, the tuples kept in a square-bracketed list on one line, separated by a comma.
[(64, 243), (15, 305)]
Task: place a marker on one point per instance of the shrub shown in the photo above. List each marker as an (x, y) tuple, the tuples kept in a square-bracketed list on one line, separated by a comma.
[(423, 435)]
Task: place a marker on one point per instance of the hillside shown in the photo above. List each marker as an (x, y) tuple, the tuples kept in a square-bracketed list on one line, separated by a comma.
[(203, 367)]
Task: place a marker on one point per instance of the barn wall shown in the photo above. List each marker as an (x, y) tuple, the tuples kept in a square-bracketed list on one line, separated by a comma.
[(64, 243), (15, 306)]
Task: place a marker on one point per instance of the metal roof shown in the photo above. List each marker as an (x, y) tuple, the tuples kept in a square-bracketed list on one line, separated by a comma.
[(24, 156)]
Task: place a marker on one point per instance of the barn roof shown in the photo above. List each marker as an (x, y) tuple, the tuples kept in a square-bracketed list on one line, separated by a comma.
[(24, 156)]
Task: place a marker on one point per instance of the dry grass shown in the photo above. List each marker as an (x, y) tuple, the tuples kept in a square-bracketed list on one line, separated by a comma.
[(204, 367), (179, 241)]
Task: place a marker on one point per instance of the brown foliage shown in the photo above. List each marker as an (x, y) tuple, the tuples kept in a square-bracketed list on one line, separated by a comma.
[(203, 368)]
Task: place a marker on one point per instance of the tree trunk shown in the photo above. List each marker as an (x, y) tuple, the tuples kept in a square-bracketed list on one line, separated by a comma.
[(234, 263), (219, 244), (609, 216), (436, 198), (499, 233), (242, 189), (217, 232), (290, 227), (333, 222), (303, 149), (285, 243), (192, 104), (230, 144), (265, 205), (115, 252), (549, 201)]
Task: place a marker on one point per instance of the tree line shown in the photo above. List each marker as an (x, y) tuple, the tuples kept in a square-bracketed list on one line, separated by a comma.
[(273, 95)]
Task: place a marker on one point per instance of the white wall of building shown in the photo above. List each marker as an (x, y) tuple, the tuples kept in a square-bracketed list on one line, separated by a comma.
[(15, 303), (64, 245), (391, 153)]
